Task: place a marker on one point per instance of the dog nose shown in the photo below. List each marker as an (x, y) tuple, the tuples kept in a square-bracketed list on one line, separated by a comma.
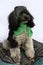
[(32, 24)]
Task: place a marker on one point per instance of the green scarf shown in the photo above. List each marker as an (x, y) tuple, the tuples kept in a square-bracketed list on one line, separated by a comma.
[(22, 28)]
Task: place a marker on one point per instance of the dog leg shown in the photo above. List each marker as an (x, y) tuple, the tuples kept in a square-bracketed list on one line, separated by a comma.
[(29, 49), (15, 54)]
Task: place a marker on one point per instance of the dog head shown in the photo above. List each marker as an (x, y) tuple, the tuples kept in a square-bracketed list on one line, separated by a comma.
[(18, 15)]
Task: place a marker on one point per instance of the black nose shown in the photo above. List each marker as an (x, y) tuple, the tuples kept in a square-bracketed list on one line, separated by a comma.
[(31, 24)]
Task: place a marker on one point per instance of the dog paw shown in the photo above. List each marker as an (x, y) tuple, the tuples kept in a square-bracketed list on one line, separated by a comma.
[(30, 53), (15, 54)]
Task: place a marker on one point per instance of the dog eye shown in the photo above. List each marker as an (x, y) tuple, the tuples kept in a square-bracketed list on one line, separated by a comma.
[(27, 17)]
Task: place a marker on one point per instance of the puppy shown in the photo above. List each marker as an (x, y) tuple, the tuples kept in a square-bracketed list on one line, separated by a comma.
[(19, 15)]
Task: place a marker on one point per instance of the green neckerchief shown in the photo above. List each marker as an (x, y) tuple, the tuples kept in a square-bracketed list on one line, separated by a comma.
[(22, 28)]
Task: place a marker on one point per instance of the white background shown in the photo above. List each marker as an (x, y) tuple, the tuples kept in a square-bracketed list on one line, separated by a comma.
[(34, 6)]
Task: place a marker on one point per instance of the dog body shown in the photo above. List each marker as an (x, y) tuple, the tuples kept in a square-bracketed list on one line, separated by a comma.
[(27, 44), (20, 14)]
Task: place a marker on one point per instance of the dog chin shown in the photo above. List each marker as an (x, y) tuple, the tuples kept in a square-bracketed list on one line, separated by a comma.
[(26, 22)]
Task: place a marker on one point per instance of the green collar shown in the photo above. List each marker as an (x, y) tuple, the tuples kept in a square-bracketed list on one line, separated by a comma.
[(22, 28)]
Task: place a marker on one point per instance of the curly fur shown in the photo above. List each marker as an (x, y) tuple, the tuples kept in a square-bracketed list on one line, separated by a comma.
[(19, 14)]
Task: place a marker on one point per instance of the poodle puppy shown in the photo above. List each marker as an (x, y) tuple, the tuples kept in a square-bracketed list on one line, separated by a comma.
[(19, 19)]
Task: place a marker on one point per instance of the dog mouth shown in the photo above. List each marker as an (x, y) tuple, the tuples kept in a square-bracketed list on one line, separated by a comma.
[(25, 21)]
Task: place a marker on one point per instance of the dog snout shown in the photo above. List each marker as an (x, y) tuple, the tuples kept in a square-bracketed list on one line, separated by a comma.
[(31, 24)]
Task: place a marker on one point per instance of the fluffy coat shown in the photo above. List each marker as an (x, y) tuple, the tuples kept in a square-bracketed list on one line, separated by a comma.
[(19, 14)]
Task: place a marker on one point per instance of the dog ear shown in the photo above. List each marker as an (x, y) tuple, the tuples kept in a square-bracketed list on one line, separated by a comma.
[(13, 21)]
